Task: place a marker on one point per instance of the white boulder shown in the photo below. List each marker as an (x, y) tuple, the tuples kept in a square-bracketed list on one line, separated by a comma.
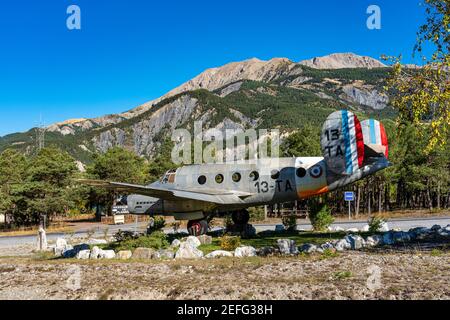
[(143, 254), (308, 248), (193, 242), (61, 243), (175, 243), (107, 254), (327, 246), (59, 251), (375, 240), (342, 245), (83, 254), (124, 255), (188, 251), (164, 254), (287, 246), (384, 227), (365, 228), (219, 254), (95, 253), (205, 239), (245, 251), (356, 242)]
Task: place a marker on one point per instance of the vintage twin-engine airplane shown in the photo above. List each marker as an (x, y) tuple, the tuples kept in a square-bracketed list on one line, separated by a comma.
[(351, 151)]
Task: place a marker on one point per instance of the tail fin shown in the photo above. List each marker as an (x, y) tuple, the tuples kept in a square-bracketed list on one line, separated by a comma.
[(375, 138), (342, 143)]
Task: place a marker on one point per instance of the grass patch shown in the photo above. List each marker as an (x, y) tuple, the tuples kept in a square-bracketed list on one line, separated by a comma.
[(43, 256), (436, 252), (208, 248), (329, 254), (269, 239), (342, 275), (265, 239)]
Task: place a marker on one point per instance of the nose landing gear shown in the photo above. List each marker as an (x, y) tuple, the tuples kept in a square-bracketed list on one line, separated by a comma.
[(241, 217), (241, 226)]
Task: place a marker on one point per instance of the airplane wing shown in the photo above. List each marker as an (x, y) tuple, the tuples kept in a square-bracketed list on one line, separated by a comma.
[(210, 195)]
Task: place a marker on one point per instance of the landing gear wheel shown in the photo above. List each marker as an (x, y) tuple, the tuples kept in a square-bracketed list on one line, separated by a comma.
[(240, 217), (197, 227)]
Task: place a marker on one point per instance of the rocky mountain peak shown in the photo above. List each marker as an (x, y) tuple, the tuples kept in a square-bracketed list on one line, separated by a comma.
[(220, 77), (342, 60)]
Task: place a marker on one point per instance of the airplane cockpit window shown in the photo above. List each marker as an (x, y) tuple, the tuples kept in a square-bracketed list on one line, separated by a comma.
[(169, 177), (236, 177), (301, 172), (254, 175), (201, 180), (219, 178)]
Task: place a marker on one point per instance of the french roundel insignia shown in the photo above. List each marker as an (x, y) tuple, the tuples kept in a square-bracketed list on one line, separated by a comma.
[(316, 172)]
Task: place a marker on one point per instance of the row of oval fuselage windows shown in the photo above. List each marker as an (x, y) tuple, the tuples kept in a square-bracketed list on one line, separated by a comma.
[(254, 176), (140, 203)]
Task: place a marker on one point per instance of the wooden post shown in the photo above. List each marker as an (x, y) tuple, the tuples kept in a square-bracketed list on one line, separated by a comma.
[(42, 240)]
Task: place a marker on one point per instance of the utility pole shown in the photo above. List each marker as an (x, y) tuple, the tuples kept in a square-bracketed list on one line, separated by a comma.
[(40, 135)]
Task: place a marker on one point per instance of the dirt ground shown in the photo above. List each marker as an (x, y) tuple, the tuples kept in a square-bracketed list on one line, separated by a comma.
[(350, 275)]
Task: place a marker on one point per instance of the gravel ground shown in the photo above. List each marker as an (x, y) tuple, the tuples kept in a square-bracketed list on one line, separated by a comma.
[(350, 275)]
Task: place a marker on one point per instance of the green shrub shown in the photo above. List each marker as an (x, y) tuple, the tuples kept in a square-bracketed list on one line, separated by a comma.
[(121, 236), (290, 222), (228, 222), (156, 224), (375, 224), (229, 243), (320, 216), (157, 240), (256, 214)]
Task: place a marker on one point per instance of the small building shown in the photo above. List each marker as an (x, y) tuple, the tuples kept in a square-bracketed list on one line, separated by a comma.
[(2, 218)]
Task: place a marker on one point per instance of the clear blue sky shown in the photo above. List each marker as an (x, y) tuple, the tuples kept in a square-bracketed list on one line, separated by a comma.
[(129, 52)]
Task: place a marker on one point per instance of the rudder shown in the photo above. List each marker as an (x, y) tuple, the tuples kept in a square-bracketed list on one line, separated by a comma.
[(342, 143), (375, 137)]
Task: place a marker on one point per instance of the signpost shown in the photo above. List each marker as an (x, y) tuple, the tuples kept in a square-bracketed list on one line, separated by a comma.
[(349, 197)]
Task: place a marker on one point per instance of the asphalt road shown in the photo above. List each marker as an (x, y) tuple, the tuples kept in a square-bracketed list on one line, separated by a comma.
[(403, 224)]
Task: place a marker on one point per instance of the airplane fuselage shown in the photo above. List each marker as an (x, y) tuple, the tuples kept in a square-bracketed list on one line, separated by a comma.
[(261, 182)]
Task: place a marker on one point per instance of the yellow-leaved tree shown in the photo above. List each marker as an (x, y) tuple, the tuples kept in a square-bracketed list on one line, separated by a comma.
[(422, 94)]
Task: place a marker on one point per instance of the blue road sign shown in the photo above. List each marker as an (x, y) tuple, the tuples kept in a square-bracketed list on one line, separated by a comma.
[(349, 196)]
